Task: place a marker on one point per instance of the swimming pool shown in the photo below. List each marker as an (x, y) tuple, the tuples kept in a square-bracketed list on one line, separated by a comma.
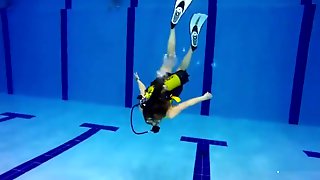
[(66, 83)]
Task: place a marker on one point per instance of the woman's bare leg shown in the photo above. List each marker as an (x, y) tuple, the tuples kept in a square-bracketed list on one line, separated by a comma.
[(169, 61), (170, 58), (186, 60), (172, 43), (196, 23)]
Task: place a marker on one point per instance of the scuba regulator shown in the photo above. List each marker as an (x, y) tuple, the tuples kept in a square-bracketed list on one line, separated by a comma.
[(142, 103)]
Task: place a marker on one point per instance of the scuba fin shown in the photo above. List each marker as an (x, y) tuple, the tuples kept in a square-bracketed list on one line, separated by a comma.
[(196, 23), (179, 8)]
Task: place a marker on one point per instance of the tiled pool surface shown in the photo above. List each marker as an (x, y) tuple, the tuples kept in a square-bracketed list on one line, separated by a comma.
[(77, 140)]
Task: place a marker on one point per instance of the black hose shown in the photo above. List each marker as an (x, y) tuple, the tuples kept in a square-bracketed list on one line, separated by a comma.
[(138, 133)]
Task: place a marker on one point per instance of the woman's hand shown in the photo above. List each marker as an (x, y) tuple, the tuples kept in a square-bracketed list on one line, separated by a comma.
[(207, 96), (136, 76)]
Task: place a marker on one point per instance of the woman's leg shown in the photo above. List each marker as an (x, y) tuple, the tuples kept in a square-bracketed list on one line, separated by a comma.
[(196, 23), (171, 51), (170, 58), (186, 60)]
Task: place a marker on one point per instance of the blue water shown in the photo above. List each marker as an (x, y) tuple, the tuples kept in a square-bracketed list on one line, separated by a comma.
[(255, 54)]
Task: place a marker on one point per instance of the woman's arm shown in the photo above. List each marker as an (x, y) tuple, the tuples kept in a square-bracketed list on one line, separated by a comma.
[(141, 86), (174, 111)]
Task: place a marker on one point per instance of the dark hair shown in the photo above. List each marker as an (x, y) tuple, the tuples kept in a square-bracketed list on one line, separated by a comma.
[(157, 106)]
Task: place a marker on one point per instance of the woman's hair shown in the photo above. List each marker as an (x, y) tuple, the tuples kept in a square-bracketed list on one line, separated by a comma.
[(156, 106)]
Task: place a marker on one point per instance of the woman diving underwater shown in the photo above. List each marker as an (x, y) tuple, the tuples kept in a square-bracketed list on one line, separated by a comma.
[(156, 100)]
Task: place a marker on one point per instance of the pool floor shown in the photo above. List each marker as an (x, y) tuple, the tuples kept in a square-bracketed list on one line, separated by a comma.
[(53, 139)]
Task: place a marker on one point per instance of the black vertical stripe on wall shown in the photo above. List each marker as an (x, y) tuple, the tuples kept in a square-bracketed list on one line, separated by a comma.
[(134, 3), (130, 56), (68, 4), (64, 53), (301, 61), (305, 2), (7, 50), (209, 54)]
